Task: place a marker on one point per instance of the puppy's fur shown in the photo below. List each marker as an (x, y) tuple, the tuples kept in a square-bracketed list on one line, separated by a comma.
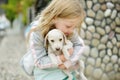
[(57, 43)]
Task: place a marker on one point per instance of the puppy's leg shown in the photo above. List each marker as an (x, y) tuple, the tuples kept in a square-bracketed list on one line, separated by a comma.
[(53, 59), (70, 76), (65, 52), (82, 66), (68, 45)]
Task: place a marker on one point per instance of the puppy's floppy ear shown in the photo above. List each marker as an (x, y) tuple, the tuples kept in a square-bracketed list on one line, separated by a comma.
[(65, 38), (46, 42)]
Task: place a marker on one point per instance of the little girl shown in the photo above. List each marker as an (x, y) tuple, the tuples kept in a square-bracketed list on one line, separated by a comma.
[(67, 16)]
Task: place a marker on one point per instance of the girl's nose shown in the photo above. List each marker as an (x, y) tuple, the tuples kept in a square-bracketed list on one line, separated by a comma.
[(70, 31)]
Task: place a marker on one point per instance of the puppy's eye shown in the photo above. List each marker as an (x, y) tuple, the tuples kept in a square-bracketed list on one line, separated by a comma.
[(60, 39), (52, 40)]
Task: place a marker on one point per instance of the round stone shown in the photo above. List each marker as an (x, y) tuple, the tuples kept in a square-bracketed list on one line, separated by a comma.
[(107, 12), (97, 73), (91, 61), (94, 52), (89, 70), (106, 59), (114, 59)]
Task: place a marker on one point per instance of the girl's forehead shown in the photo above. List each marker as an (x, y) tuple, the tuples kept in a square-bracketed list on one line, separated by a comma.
[(70, 21), (73, 21)]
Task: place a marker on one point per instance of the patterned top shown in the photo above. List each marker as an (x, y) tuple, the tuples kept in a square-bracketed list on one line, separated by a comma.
[(39, 54)]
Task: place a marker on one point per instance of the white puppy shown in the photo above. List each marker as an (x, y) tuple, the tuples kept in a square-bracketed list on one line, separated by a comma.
[(56, 43)]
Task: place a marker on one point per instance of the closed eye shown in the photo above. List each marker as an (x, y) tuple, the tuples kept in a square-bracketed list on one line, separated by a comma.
[(68, 26), (52, 40)]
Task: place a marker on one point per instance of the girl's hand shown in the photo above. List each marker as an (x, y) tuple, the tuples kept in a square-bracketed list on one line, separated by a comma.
[(62, 55), (70, 51), (62, 66)]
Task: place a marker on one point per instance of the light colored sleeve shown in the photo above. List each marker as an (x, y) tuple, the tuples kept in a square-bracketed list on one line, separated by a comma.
[(78, 46), (37, 49)]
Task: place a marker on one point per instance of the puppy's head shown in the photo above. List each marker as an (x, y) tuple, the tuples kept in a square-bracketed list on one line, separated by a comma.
[(55, 39)]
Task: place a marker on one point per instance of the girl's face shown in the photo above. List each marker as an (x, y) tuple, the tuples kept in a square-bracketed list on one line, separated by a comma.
[(67, 26)]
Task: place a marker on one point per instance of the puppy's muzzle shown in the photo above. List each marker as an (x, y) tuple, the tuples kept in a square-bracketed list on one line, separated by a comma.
[(57, 49)]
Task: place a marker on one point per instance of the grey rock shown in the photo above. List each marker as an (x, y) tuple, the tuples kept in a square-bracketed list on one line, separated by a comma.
[(107, 13), (87, 42), (95, 1), (109, 67), (118, 37), (97, 23), (98, 62), (82, 34), (114, 59), (103, 7), (99, 15), (97, 73), (96, 36), (103, 23), (89, 4), (104, 77), (90, 13), (110, 5), (96, 7), (87, 51), (88, 35), (89, 69), (117, 20), (111, 34), (91, 28), (91, 61), (114, 41), (109, 52), (109, 45), (94, 52), (84, 26), (115, 50), (108, 20), (101, 31), (101, 47), (113, 25), (106, 59), (107, 29), (102, 53), (89, 21), (117, 29), (95, 42), (116, 66), (101, 1), (114, 13)]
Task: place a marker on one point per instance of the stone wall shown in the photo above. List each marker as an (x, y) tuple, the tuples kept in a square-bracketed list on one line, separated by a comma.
[(101, 33)]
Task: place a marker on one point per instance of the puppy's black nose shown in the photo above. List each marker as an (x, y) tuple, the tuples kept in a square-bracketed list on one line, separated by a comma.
[(57, 49)]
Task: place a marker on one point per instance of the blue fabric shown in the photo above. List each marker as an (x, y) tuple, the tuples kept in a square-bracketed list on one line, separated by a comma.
[(74, 78), (50, 74)]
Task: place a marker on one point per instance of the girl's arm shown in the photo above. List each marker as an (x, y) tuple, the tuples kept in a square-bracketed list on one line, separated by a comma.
[(36, 47), (78, 49)]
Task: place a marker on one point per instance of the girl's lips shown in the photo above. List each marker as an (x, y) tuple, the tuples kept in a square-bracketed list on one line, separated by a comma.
[(66, 34)]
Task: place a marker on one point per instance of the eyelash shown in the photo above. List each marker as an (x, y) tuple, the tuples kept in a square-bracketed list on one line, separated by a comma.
[(68, 26)]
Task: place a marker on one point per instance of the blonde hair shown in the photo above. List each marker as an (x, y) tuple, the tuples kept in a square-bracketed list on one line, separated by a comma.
[(68, 9)]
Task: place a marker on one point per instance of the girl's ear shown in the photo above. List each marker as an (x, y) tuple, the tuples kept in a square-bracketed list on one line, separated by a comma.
[(54, 20), (46, 42)]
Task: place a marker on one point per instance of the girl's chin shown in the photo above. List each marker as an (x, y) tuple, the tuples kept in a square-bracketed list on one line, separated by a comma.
[(66, 35)]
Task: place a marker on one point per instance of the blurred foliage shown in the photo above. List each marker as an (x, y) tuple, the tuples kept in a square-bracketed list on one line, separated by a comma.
[(15, 7)]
